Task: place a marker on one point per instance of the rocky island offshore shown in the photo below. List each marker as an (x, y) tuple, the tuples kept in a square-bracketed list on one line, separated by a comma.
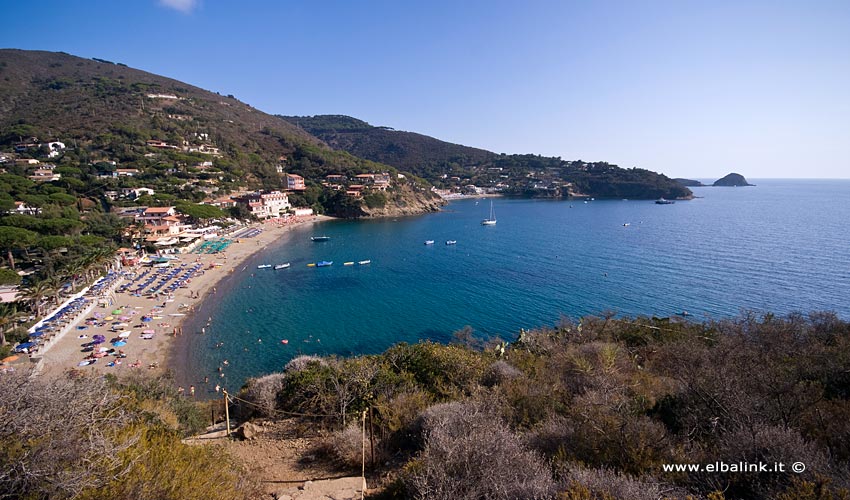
[(731, 180)]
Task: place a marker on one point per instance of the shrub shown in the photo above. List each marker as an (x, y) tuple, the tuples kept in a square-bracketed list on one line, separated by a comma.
[(302, 362), (604, 484), (345, 447), (500, 372), (470, 453), (262, 394)]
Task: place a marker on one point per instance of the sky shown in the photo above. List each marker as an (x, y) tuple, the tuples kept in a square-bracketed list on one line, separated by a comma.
[(685, 88)]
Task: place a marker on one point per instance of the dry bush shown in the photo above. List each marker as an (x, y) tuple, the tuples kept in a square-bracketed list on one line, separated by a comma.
[(262, 394), (303, 362), (59, 438), (499, 373), (91, 438), (345, 447), (604, 484), (470, 453), (765, 444)]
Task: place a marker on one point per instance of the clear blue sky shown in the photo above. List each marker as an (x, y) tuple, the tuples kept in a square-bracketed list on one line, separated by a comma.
[(691, 89)]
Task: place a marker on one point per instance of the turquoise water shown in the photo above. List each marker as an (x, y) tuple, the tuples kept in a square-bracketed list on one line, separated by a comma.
[(781, 246)]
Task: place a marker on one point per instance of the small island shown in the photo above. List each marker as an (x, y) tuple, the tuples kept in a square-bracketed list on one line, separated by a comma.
[(732, 180)]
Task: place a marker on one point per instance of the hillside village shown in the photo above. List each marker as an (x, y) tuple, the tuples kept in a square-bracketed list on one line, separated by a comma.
[(134, 200)]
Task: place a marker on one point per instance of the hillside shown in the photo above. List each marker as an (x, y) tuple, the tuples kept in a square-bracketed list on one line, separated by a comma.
[(405, 150), (452, 166), (106, 111)]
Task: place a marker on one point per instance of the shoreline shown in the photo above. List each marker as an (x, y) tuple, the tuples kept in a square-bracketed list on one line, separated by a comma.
[(164, 351)]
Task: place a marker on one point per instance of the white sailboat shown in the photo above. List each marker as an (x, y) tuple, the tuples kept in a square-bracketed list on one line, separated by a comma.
[(490, 221)]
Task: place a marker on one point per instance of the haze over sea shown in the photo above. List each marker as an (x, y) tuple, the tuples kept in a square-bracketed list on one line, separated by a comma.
[(781, 246)]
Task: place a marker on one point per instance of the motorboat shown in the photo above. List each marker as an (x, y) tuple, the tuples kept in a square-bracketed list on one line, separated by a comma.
[(320, 238), (325, 263), (364, 262), (281, 266), (264, 266), (429, 242), (451, 242)]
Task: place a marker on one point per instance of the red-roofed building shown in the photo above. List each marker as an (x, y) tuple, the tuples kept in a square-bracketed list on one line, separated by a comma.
[(264, 204)]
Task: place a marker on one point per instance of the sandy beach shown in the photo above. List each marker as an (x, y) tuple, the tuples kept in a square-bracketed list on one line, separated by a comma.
[(164, 314)]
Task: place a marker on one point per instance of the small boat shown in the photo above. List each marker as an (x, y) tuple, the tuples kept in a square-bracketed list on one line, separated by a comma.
[(451, 242), (325, 263), (312, 264), (281, 266), (348, 263), (264, 266), (364, 262), (429, 242), (320, 238), (490, 221), (662, 201), (284, 341), (627, 224)]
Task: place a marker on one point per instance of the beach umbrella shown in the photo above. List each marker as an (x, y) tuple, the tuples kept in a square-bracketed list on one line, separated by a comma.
[(117, 311), (37, 334), (120, 343), (147, 319), (108, 318), (148, 331), (124, 318), (25, 345), (124, 335)]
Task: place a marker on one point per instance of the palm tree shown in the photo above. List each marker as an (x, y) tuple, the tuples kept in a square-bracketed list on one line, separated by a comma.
[(35, 294), (55, 283), (75, 270), (8, 312)]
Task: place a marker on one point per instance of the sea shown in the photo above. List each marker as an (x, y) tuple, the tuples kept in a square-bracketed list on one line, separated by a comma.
[(780, 246)]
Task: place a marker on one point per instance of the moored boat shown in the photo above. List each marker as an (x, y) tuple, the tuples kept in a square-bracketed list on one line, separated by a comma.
[(325, 263), (281, 266), (490, 221), (320, 238), (364, 262), (351, 263), (312, 264), (429, 242), (264, 266), (451, 242)]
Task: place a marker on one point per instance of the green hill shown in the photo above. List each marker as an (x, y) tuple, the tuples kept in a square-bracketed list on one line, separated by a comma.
[(450, 165), (107, 111)]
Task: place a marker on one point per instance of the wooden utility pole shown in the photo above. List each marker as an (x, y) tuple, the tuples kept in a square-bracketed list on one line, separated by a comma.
[(363, 457), (226, 412), (371, 438)]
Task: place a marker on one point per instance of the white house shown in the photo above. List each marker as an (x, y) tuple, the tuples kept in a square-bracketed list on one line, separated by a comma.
[(264, 204)]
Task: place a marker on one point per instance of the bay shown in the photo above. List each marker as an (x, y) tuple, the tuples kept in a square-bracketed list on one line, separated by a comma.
[(781, 246)]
